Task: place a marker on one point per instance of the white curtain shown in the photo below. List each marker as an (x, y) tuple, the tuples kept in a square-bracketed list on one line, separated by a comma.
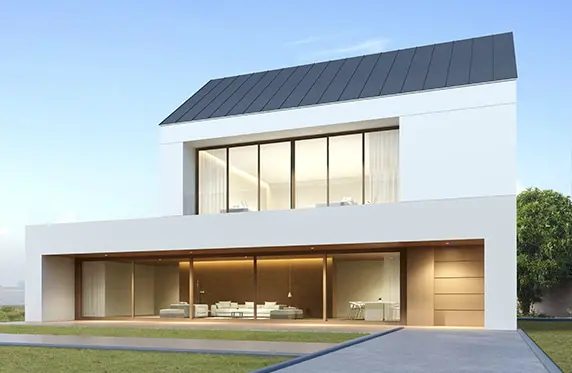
[(93, 289), (382, 152), (212, 181), (391, 279)]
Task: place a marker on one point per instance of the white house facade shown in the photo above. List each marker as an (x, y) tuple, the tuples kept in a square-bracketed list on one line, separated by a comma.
[(380, 187)]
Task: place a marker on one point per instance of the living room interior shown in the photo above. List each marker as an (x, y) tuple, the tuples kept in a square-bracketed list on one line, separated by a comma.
[(285, 287), (438, 283)]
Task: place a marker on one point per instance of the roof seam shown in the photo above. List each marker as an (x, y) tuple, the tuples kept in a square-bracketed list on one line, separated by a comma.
[(277, 89), (314, 83), (248, 91), (388, 73), (471, 61), (408, 69), (493, 54), (229, 96), (350, 79), (428, 67), (369, 75), (296, 86), (215, 97), (263, 89), (332, 80), (195, 104), (449, 65)]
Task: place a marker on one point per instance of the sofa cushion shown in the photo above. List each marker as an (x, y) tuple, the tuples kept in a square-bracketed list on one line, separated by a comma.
[(269, 304), (223, 304), (233, 304), (249, 304)]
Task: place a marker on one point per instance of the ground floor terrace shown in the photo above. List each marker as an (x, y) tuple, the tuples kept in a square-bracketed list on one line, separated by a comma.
[(433, 263), (432, 283)]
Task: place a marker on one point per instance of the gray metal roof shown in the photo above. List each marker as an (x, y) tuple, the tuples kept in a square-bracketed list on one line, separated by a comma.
[(478, 60)]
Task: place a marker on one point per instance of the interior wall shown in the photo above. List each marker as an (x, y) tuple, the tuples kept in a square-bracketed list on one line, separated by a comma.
[(117, 289), (459, 286), (420, 286), (305, 283), (58, 288), (356, 281), (229, 280), (183, 286), (144, 290), (166, 286)]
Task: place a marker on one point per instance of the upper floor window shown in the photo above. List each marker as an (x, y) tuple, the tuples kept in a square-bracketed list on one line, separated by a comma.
[(335, 170)]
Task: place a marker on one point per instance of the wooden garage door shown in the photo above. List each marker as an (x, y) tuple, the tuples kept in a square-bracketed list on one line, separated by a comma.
[(459, 286)]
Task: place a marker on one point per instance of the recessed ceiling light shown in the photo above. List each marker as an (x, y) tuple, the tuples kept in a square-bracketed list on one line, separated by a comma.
[(160, 259), (446, 243), (105, 254), (311, 248)]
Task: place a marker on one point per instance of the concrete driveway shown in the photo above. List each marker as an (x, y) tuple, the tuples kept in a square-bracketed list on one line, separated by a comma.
[(424, 350)]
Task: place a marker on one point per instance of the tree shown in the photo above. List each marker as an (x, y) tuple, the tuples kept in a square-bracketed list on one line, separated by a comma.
[(544, 243)]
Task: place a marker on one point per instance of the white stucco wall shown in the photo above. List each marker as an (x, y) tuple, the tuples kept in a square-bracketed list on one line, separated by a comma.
[(490, 218), (457, 142), (457, 181), (58, 287)]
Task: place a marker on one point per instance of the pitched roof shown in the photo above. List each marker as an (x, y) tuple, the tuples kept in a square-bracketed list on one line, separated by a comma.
[(478, 60)]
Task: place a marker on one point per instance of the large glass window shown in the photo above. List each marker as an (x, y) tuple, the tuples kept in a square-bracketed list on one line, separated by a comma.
[(311, 173), (275, 173), (107, 288), (212, 181), (243, 179), (345, 170), (381, 166), (335, 170), (367, 286)]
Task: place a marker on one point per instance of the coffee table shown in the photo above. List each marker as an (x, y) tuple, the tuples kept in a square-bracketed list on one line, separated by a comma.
[(237, 314)]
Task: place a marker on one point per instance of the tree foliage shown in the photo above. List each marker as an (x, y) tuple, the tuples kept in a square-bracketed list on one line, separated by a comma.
[(544, 243)]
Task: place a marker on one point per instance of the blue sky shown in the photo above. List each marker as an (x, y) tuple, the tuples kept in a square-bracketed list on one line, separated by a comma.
[(84, 84)]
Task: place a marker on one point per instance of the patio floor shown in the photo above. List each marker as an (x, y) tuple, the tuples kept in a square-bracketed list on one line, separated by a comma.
[(349, 326), (421, 351)]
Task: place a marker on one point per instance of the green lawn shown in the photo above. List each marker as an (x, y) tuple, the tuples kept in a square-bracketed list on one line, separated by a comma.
[(235, 335), (33, 359), (554, 338)]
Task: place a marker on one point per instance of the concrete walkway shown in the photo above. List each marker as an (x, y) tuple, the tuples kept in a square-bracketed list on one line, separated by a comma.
[(418, 350), (164, 344)]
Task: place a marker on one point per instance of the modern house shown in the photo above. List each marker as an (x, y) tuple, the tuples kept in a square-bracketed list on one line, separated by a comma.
[(378, 188)]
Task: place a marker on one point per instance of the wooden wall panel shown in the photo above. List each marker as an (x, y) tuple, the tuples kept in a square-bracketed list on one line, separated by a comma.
[(420, 286), (460, 318), (459, 269), (459, 285), (459, 253), (457, 302)]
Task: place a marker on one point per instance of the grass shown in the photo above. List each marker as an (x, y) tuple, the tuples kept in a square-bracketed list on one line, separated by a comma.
[(11, 313), (235, 335), (554, 338), (33, 359)]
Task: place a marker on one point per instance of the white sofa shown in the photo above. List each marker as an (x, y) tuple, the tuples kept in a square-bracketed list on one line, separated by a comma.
[(201, 310), (230, 309)]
